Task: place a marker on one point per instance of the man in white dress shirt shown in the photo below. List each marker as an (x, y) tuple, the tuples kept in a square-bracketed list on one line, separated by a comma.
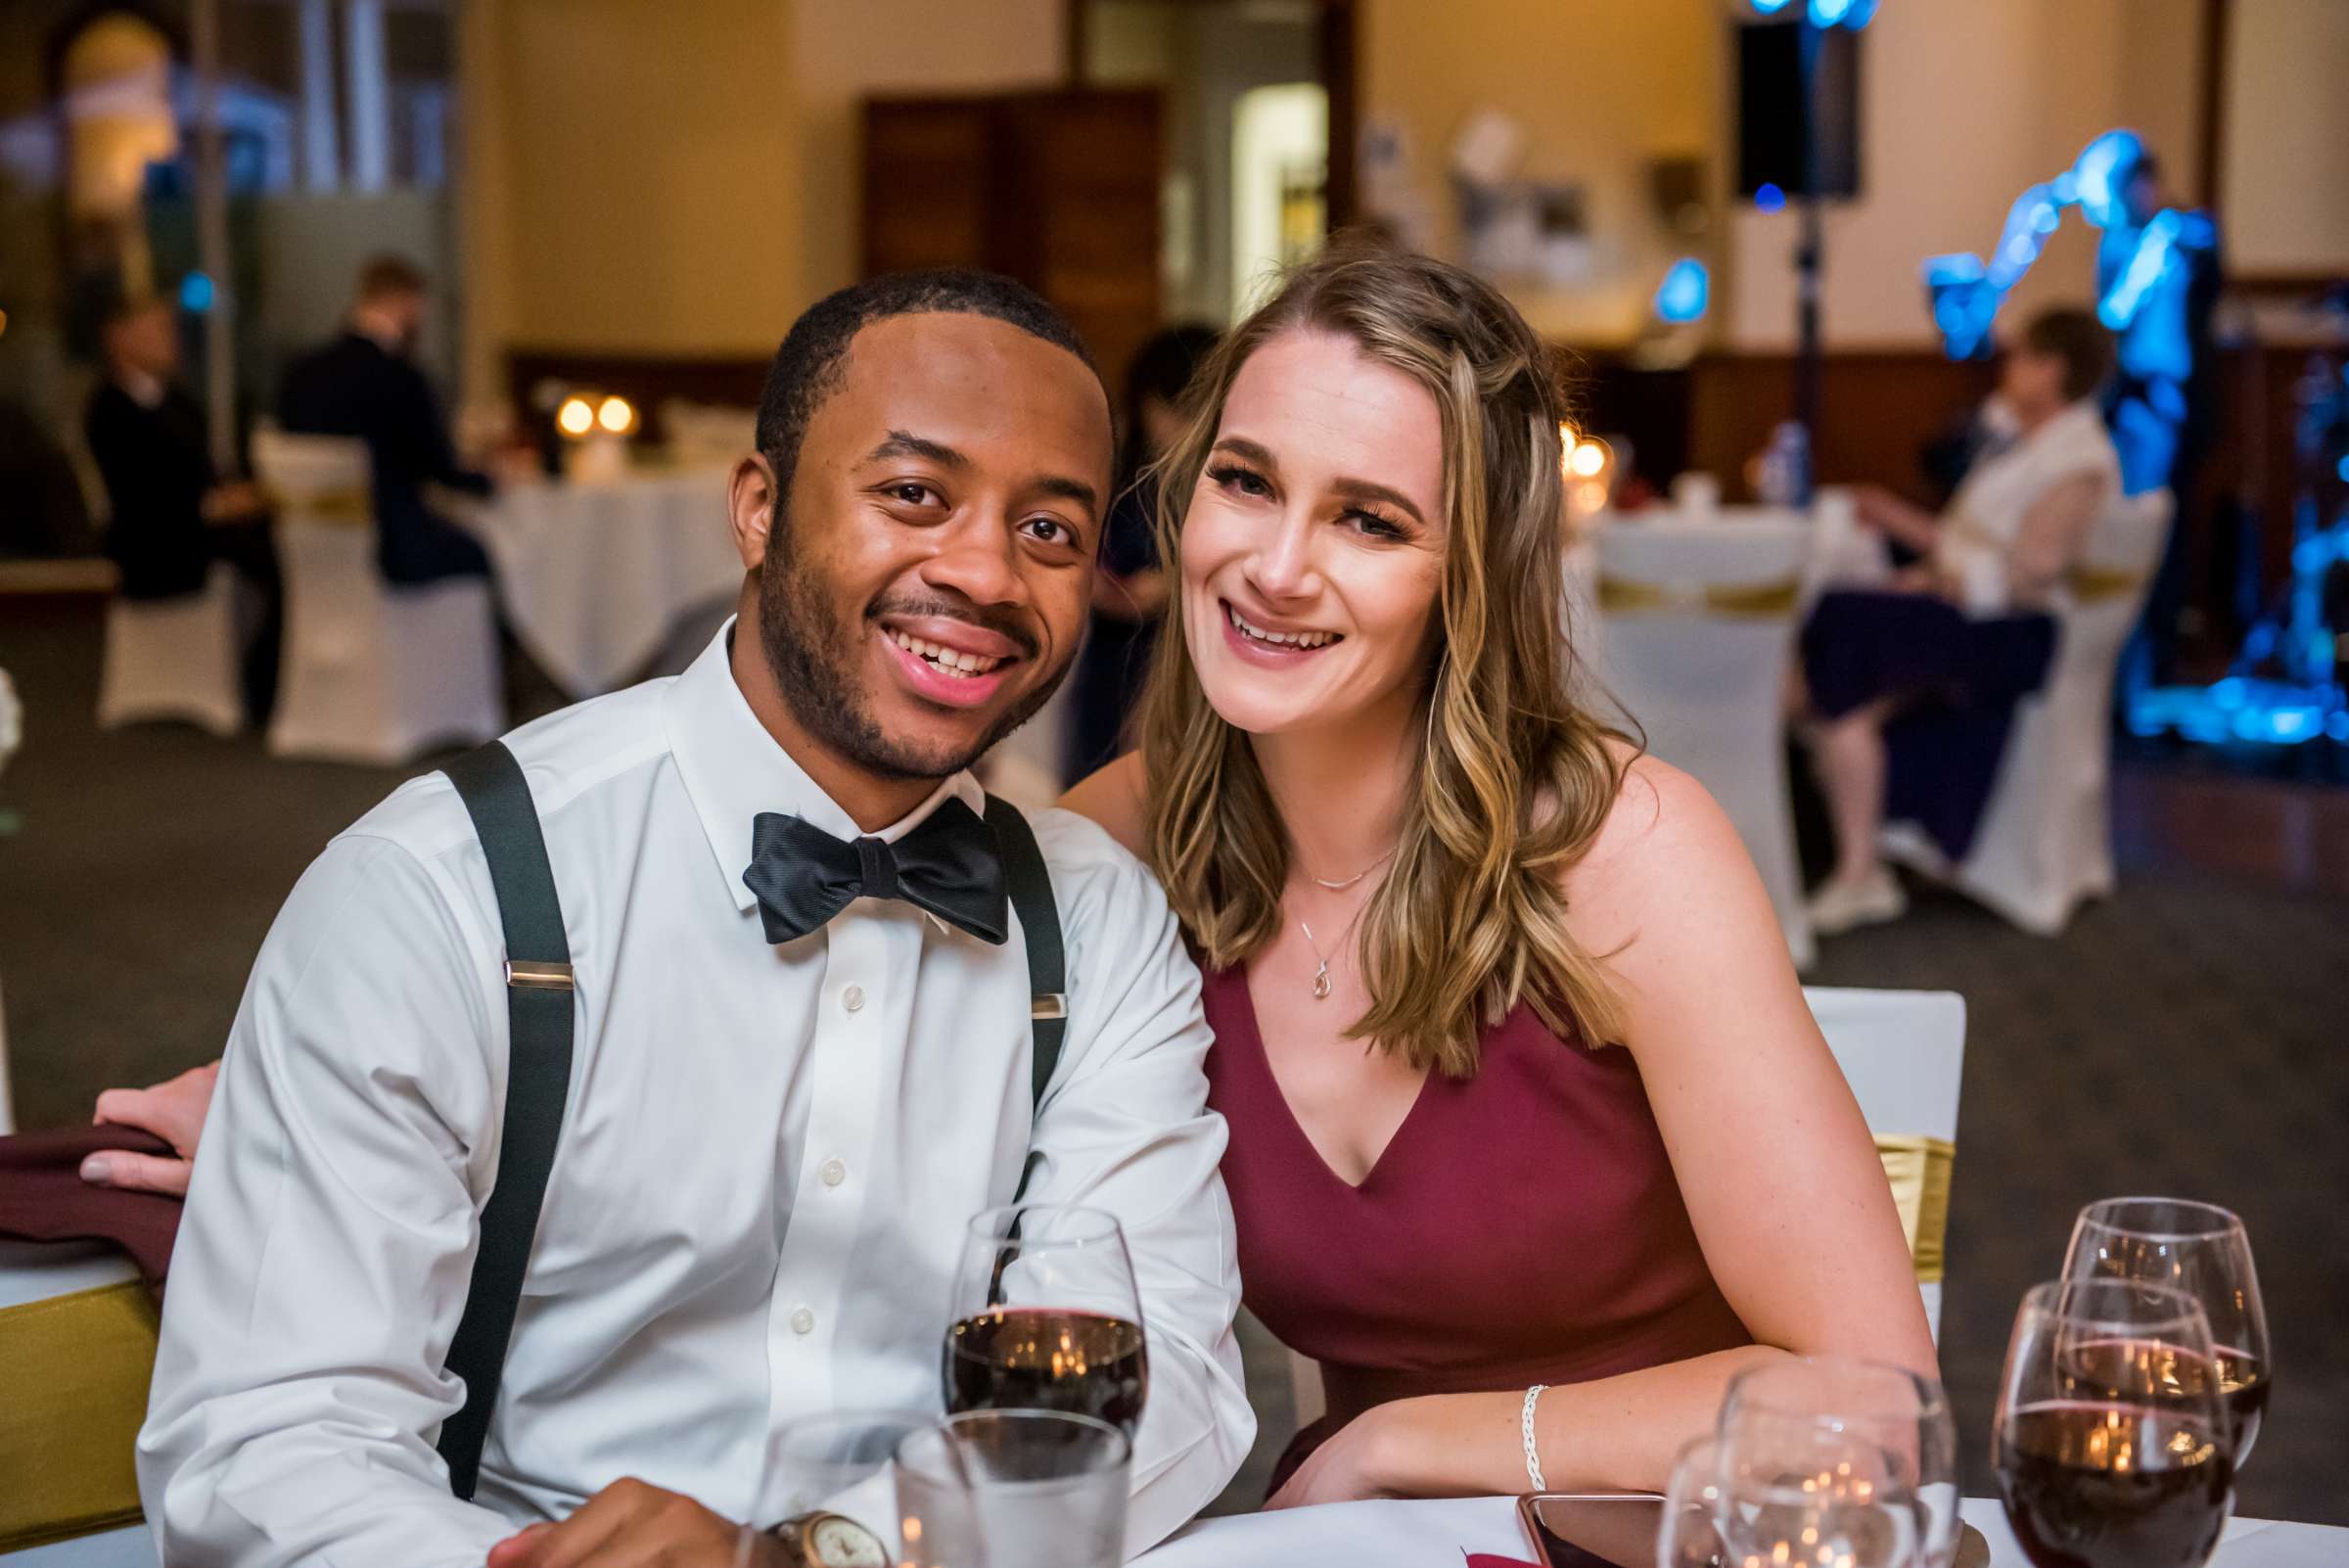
[(769, 1149)]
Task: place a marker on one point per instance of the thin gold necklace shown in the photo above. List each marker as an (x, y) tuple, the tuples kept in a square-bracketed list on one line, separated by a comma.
[(1341, 887)]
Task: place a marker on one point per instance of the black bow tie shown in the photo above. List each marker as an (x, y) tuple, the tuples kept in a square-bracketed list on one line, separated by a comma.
[(804, 876)]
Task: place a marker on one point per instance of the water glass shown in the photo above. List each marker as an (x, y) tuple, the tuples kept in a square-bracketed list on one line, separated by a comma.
[(1038, 1488)]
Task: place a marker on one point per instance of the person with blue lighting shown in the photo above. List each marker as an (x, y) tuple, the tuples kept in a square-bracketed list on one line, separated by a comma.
[(2158, 281)]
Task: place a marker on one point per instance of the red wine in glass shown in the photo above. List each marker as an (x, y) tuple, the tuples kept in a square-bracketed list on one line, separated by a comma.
[(2244, 1385), (2106, 1486), (1047, 1358)]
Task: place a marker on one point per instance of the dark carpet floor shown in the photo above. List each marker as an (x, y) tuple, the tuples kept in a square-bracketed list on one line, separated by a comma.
[(2191, 1036)]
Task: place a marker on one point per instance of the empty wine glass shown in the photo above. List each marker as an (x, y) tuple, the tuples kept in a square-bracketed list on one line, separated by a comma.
[(1903, 1415), (2204, 1251), (2112, 1445), (1045, 1315)]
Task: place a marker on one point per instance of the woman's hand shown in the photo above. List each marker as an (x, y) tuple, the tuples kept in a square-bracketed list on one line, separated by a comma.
[(174, 1111), (1347, 1468)]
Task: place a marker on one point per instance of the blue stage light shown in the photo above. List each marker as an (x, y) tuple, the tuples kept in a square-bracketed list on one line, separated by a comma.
[(1769, 199), (2343, 469), (1685, 291), (1828, 13), (1769, 8), (196, 294)]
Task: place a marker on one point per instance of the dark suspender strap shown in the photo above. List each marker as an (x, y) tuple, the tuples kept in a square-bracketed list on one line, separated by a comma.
[(538, 1005), (1030, 885)]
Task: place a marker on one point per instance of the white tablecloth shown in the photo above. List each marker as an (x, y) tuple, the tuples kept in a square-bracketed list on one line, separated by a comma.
[(1393, 1535), (595, 574), (1434, 1535)]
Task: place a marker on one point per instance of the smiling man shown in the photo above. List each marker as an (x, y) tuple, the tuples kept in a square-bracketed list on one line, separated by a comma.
[(791, 1084)]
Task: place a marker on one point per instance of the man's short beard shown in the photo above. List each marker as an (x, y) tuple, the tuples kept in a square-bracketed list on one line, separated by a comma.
[(810, 654)]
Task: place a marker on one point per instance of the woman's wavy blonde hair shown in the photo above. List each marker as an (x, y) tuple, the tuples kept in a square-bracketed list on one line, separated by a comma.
[(1514, 778)]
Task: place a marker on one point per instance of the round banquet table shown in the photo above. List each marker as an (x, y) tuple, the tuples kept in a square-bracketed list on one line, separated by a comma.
[(1390, 1535), (595, 574), (1437, 1534)]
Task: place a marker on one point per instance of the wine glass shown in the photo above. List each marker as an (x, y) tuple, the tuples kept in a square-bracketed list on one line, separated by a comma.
[(1791, 1496), (1902, 1416), (2111, 1443), (1051, 1485), (835, 1463), (1045, 1315), (2204, 1251)]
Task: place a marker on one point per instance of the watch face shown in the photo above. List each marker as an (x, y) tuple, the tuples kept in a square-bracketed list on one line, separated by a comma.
[(836, 1543)]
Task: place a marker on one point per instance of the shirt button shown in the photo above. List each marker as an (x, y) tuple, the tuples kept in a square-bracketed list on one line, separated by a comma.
[(802, 1322), (833, 1172), (852, 999)]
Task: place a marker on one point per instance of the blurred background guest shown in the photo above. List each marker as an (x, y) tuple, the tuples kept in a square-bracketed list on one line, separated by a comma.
[(1130, 591), (2162, 400), (173, 514), (1913, 689), (366, 384)]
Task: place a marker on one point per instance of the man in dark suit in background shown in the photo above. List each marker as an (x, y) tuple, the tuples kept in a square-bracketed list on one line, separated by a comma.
[(365, 384), (173, 515)]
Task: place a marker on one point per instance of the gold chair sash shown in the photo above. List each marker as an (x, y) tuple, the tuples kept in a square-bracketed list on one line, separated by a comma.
[(2091, 582), (327, 506), (1759, 600), (75, 1371), (1918, 1169)]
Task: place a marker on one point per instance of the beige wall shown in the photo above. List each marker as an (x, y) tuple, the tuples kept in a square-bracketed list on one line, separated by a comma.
[(632, 176), (682, 178), (2285, 183), (1599, 87)]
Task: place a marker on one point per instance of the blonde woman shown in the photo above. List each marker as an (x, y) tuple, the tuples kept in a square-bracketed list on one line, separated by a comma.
[(1521, 1084)]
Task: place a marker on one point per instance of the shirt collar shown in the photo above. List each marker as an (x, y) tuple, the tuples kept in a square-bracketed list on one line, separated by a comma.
[(733, 770)]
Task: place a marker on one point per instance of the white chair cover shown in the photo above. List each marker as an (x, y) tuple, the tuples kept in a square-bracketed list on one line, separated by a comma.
[(2046, 839), (174, 658), (1903, 1052), (1697, 626), (372, 672)]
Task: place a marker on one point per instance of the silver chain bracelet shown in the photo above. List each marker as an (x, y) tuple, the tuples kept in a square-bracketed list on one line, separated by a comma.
[(1525, 1428)]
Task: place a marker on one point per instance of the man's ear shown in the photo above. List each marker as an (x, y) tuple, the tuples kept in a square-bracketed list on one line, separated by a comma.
[(751, 497)]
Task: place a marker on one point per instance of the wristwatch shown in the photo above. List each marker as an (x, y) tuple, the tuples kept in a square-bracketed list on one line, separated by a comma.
[(831, 1541)]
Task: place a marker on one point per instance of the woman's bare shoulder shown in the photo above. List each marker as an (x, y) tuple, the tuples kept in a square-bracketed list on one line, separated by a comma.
[(1113, 797), (1665, 844)]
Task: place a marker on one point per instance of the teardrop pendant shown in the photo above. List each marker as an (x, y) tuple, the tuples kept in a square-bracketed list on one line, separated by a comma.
[(1321, 981)]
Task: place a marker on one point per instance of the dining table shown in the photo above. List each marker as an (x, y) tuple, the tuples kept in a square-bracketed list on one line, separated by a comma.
[(1436, 1534), (596, 574), (1442, 1532)]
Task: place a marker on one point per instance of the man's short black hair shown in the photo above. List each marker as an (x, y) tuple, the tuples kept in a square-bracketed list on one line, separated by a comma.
[(807, 368)]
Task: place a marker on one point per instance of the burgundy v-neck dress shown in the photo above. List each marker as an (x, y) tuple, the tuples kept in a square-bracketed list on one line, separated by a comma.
[(1522, 1227)]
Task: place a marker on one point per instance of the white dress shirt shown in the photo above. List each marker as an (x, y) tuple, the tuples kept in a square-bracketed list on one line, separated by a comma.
[(767, 1158)]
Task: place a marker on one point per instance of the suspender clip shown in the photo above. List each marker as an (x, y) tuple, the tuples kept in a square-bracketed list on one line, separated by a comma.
[(529, 974)]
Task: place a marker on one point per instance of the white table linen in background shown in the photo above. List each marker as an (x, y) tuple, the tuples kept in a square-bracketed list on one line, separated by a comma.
[(595, 576), (1435, 1533)]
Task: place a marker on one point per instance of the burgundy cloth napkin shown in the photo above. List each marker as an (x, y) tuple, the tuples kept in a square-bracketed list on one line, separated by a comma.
[(43, 1198), (1486, 1559)]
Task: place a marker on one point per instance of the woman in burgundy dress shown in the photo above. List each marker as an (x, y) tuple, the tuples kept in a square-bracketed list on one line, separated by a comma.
[(1530, 1125), (1529, 1120)]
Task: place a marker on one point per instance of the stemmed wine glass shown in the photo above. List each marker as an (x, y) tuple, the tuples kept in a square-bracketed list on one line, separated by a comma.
[(1035, 1489), (2204, 1251), (1902, 1418), (1792, 1497), (2112, 1445), (1046, 1317)]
